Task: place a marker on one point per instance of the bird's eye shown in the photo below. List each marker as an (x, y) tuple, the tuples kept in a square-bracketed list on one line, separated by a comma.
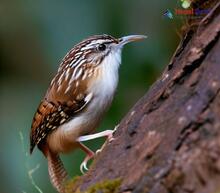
[(101, 47)]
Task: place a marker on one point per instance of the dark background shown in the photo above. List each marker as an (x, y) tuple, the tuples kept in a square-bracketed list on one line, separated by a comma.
[(35, 35)]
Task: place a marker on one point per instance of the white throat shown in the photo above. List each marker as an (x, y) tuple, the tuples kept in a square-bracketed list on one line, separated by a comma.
[(110, 67), (104, 87)]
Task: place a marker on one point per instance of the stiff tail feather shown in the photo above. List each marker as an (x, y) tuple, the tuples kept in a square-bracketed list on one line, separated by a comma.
[(57, 172)]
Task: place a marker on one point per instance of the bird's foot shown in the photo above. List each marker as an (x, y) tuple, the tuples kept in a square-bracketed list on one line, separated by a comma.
[(110, 138), (83, 165), (89, 155)]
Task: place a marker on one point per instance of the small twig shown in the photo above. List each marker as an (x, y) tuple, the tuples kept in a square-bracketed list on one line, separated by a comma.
[(30, 171)]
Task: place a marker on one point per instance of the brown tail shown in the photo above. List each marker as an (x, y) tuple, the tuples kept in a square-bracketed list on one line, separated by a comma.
[(57, 172)]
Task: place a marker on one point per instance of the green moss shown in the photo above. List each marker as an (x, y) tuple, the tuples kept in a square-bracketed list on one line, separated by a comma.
[(106, 186), (70, 184)]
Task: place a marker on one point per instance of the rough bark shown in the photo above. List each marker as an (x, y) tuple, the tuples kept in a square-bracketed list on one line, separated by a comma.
[(170, 140)]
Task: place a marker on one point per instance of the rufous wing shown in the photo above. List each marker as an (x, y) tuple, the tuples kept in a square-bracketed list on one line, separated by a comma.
[(60, 104)]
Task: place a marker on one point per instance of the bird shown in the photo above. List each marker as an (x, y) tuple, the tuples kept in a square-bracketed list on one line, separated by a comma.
[(78, 96)]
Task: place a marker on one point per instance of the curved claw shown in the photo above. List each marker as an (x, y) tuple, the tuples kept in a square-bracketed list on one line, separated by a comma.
[(98, 151), (89, 155), (83, 165), (110, 134)]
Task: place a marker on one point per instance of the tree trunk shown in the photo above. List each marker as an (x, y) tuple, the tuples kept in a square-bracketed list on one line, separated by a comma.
[(170, 140)]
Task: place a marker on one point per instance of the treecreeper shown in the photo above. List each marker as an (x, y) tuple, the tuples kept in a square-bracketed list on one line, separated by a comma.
[(78, 96)]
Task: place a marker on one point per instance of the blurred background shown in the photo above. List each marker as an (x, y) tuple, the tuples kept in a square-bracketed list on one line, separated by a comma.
[(34, 37)]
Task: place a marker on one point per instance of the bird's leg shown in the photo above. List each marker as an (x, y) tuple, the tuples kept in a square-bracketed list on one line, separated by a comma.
[(106, 133), (89, 155)]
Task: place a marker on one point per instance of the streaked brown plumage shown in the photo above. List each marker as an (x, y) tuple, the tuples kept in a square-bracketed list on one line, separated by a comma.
[(76, 100), (61, 99)]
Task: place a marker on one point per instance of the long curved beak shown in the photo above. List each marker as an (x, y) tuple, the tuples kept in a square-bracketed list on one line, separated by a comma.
[(131, 38)]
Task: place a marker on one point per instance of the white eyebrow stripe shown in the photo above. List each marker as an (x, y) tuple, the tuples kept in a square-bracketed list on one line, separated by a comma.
[(101, 41), (87, 47), (93, 43)]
